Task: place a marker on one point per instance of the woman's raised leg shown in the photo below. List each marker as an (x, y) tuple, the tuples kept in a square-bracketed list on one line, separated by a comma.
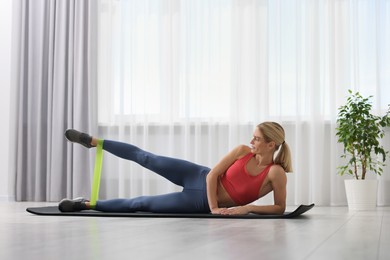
[(180, 172)]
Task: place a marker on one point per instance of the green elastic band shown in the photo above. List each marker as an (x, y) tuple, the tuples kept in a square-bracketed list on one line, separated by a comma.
[(96, 173)]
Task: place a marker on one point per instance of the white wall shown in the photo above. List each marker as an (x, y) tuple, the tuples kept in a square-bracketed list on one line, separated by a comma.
[(5, 87)]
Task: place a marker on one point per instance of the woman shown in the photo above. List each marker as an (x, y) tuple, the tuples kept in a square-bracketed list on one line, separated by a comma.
[(244, 175)]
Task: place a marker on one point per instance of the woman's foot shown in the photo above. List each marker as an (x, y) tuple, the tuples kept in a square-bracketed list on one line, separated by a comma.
[(78, 204), (78, 137)]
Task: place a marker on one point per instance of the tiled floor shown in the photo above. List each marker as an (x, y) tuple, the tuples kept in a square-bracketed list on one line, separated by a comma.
[(323, 233)]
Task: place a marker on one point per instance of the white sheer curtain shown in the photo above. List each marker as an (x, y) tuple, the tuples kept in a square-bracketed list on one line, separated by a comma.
[(191, 79)]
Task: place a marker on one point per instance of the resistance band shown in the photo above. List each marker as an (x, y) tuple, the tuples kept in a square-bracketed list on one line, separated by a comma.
[(96, 173)]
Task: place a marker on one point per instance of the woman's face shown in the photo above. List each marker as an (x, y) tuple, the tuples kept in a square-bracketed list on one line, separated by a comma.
[(257, 141), (258, 144)]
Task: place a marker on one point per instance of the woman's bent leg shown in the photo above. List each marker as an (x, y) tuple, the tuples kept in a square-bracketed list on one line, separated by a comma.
[(192, 201), (180, 172)]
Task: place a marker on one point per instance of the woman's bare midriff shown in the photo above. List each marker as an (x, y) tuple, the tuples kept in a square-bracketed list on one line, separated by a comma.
[(223, 198)]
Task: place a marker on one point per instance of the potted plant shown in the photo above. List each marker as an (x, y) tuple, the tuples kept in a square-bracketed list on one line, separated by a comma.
[(360, 132)]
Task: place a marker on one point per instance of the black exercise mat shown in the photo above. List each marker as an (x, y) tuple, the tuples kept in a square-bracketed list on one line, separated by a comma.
[(53, 211)]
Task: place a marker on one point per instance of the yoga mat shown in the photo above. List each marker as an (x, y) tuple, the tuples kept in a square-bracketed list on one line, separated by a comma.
[(54, 211)]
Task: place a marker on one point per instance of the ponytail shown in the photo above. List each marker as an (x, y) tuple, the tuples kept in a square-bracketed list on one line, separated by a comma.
[(283, 158)]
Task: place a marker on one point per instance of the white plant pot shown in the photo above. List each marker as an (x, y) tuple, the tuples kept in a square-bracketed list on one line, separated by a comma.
[(361, 194)]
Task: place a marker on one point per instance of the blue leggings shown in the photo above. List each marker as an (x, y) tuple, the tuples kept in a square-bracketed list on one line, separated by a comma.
[(190, 176)]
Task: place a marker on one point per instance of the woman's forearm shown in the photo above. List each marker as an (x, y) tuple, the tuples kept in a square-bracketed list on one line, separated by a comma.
[(211, 186), (267, 209)]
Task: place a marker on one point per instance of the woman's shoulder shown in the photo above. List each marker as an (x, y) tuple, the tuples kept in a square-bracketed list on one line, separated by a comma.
[(276, 170), (242, 150)]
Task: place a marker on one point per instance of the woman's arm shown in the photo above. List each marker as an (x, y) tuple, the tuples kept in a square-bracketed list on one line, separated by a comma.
[(278, 180), (219, 169)]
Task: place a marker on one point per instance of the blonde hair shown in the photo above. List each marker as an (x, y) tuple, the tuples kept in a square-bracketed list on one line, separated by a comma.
[(273, 131)]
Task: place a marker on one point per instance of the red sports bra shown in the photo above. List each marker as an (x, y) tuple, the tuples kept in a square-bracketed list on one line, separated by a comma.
[(242, 187)]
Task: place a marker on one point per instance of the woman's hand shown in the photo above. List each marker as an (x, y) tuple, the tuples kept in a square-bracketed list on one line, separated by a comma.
[(218, 211), (241, 210)]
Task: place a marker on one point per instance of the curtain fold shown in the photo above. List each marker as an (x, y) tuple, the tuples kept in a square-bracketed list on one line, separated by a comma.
[(54, 77)]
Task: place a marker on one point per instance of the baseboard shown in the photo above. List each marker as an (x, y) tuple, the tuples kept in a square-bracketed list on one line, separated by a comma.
[(4, 198)]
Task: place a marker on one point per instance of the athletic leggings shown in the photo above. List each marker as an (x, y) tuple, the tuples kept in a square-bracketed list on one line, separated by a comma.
[(190, 176)]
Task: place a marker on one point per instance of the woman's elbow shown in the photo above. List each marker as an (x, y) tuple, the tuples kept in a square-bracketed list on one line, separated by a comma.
[(208, 178), (280, 209), (212, 176)]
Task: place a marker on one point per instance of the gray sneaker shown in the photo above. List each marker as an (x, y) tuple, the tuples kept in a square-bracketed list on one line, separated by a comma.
[(67, 205), (78, 137)]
